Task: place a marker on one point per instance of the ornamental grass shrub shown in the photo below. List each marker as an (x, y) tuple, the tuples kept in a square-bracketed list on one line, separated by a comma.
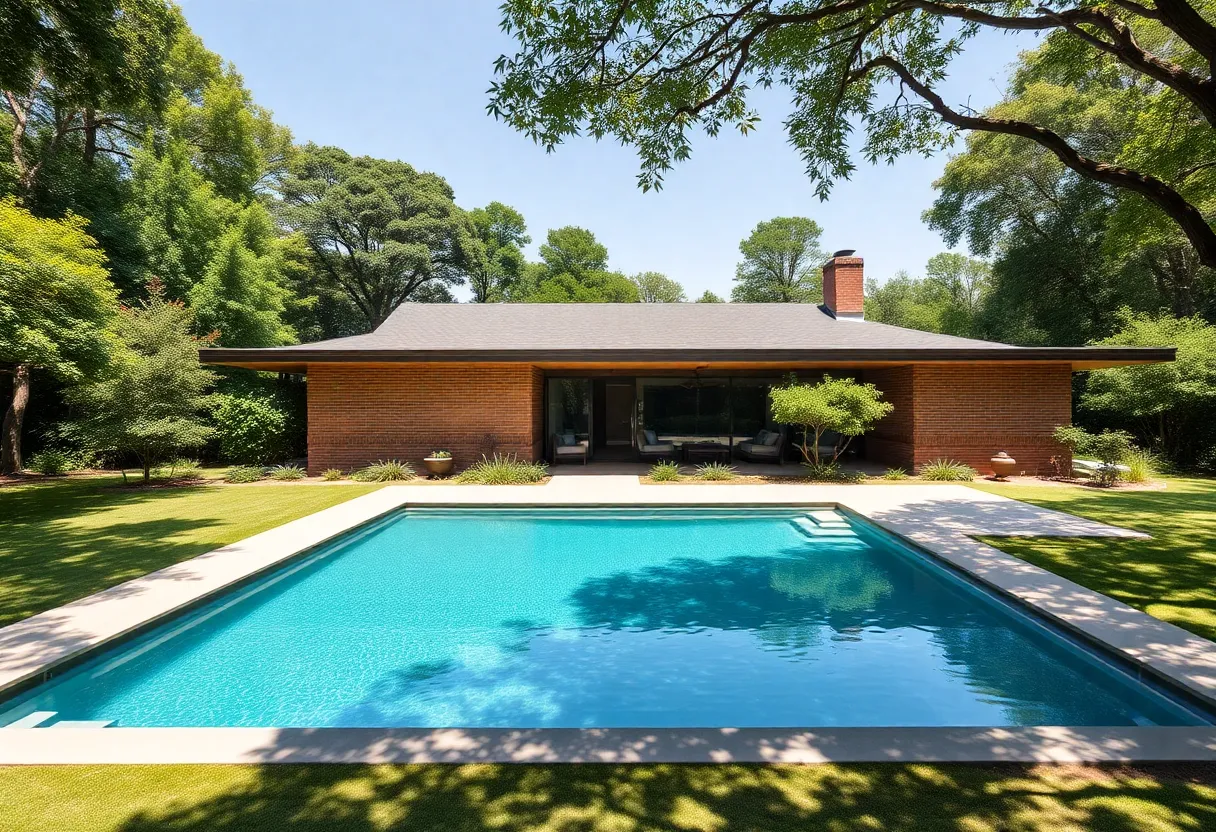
[(332, 474), (384, 470), (715, 472), (503, 470), (665, 471), (895, 474), (947, 470), (287, 472), (831, 472)]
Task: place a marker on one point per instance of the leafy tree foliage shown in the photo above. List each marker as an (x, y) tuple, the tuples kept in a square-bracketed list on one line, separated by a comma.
[(656, 287), (1171, 405), (782, 263), (709, 297), (840, 405), (573, 269), (56, 302), (381, 231), (502, 233), (150, 406), (240, 297), (252, 429), (651, 73), (949, 299)]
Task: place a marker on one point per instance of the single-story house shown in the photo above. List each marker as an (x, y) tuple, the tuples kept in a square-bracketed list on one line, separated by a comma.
[(520, 378)]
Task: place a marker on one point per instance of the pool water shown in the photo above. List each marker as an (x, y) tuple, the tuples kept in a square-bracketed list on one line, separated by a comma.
[(604, 617)]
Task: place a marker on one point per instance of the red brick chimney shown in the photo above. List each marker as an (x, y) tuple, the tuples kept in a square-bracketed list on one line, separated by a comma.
[(844, 285)]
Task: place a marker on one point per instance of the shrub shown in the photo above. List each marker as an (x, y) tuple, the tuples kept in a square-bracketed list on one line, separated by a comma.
[(665, 471), (51, 463), (715, 471), (287, 472), (1110, 448), (331, 474), (245, 473), (946, 470), (830, 472), (252, 429), (895, 474), (1140, 465), (181, 469), (385, 470), (503, 470)]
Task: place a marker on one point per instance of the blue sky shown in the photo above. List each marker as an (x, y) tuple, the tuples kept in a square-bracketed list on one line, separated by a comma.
[(407, 80)]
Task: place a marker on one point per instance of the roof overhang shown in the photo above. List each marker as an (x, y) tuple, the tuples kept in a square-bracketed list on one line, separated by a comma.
[(297, 359)]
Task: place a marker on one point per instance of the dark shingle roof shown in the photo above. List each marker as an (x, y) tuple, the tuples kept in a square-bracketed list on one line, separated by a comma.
[(632, 326), (650, 332)]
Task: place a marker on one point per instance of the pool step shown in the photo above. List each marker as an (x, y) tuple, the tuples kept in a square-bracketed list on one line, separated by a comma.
[(831, 525), (32, 720)]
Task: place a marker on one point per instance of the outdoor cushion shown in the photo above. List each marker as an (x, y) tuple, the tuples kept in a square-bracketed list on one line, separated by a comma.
[(658, 449), (570, 450), (651, 437), (771, 438), (567, 439), (758, 450), (761, 438)]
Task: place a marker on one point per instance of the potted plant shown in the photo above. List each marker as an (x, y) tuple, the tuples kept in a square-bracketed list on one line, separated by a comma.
[(439, 463)]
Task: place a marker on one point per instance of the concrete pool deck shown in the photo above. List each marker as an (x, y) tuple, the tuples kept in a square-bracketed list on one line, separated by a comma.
[(940, 519)]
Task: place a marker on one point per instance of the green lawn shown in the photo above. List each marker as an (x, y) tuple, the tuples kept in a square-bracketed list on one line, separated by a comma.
[(1172, 576), (875, 798), (66, 539)]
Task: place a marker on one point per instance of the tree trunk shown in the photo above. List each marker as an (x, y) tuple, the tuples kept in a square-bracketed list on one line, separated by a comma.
[(14, 417), (90, 135), (147, 470)]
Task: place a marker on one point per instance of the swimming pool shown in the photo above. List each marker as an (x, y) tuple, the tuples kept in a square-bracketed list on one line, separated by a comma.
[(614, 617)]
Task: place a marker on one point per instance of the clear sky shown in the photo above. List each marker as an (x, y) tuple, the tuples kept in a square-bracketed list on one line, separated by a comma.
[(407, 80)]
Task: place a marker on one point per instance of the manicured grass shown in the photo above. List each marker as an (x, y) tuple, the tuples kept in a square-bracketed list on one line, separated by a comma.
[(74, 538), (66, 539), (876, 798), (1172, 576)]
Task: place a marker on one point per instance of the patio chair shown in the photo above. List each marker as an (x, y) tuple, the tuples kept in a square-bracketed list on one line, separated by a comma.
[(768, 446), (650, 449), (568, 449)]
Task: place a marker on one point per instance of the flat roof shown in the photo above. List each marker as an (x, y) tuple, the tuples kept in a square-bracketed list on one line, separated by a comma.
[(735, 333)]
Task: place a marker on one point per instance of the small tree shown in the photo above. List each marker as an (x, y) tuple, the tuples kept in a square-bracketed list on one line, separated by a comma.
[(150, 405), (1110, 448), (835, 404)]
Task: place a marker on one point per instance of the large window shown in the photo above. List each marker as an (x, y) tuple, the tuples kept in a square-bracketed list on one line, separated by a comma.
[(725, 409)]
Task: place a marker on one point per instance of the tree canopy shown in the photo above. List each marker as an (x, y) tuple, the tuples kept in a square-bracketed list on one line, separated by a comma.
[(502, 232), (782, 263), (652, 73), (381, 231), (656, 287)]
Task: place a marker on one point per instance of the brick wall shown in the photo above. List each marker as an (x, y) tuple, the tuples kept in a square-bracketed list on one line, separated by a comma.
[(357, 415), (969, 413), (891, 441)]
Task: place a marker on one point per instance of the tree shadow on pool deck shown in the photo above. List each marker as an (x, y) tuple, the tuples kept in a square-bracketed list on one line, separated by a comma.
[(621, 798)]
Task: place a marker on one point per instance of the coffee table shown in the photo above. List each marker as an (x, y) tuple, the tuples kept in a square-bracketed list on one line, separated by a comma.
[(707, 452)]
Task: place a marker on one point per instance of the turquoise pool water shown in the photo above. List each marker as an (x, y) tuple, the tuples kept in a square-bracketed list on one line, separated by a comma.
[(622, 617)]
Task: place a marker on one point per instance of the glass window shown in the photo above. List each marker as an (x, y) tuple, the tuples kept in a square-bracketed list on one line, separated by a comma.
[(570, 406)]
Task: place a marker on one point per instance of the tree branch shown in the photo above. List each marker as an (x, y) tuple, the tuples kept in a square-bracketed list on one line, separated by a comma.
[(1186, 215)]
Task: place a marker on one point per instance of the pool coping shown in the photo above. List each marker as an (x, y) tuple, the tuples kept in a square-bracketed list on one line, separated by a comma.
[(940, 520)]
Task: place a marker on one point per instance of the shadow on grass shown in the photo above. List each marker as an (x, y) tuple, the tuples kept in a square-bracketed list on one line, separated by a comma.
[(1172, 576), (47, 558), (894, 798)]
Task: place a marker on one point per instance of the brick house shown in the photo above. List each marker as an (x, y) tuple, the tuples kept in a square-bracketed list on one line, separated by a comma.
[(482, 378)]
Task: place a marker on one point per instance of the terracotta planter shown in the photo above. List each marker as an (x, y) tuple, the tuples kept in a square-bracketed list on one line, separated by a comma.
[(1003, 465), (439, 466)]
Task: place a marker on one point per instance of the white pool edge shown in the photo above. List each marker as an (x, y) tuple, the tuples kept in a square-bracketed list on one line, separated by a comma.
[(937, 519)]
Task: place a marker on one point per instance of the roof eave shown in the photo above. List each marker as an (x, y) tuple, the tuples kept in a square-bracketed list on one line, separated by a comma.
[(1080, 357)]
